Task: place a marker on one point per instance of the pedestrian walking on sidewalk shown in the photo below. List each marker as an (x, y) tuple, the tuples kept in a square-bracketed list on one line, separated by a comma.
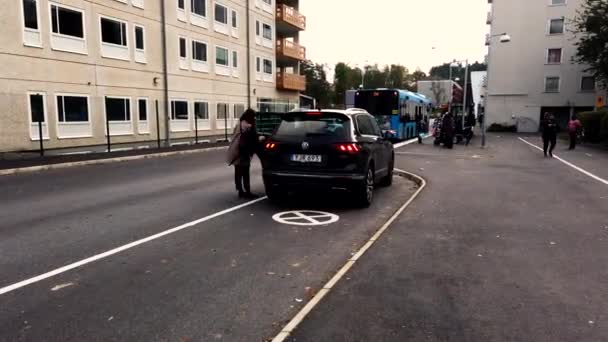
[(243, 146), (469, 125), (574, 126), (419, 127), (549, 129)]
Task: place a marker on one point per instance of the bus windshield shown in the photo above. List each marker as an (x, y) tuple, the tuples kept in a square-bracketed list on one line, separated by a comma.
[(378, 102)]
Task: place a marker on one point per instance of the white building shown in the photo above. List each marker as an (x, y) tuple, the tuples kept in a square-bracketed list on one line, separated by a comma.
[(89, 67), (478, 84), (534, 72)]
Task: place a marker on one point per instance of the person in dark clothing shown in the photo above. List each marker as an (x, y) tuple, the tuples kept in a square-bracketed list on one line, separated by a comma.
[(447, 130), (247, 147), (469, 125), (419, 127), (574, 126), (549, 129)]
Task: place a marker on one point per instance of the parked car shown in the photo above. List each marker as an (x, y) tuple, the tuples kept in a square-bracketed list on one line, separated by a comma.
[(327, 150)]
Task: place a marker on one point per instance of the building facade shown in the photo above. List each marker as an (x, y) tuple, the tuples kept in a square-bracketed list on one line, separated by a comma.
[(142, 69), (534, 72)]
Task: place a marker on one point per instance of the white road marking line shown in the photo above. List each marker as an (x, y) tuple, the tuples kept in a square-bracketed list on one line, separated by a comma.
[(583, 171), (299, 317), (117, 250), (403, 143)]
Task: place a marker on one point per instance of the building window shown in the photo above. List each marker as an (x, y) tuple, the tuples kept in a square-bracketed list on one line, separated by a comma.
[(558, 2), (67, 22), (269, 2), (183, 53), (258, 64), (201, 110), (118, 109), (113, 32), (139, 38), (267, 32), (239, 109), (179, 110), (72, 108), (554, 56), (257, 28), (235, 59), (221, 14), (199, 7), (235, 20), (221, 56), (199, 51), (552, 84), (181, 5), (37, 108), (30, 14), (556, 26), (222, 111), (142, 109), (588, 83), (268, 66)]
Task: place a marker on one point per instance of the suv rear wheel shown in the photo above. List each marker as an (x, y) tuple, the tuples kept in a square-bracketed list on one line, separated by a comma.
[(364, 192)]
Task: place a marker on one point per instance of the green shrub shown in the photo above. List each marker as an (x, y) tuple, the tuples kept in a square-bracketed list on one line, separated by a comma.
[(593, 122), (502, 128)]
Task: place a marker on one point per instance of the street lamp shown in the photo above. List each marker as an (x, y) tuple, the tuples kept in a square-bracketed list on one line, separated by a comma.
[(504, 38)]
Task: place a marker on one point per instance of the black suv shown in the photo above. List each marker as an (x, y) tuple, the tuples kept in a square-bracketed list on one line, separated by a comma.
[(329, 149)]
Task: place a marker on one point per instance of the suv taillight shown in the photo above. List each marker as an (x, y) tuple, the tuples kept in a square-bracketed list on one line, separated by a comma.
[(348, 148), (270, 146)]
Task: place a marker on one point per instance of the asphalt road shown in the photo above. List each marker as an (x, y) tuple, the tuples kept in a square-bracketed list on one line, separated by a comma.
[(503, 245), (238, 276)]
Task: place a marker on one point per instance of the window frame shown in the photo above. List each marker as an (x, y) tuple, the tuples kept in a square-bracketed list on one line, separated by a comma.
[(197, 64), (588, 90), (206, 15), (61, 36), (120, 127), (208, 106), (563, 19), (34, 124), (140, 54), (264, 60), (561, 56), (183, 62), (30, 30), (267, 42), (127, 102), (121, 22), (221, 69), (145, 99), (172, 109), (553, 4), (559, 84), (227, 118), (219, 26)]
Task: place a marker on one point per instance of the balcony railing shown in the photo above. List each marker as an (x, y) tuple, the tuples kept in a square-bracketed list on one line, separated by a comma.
[(287, 48), (291, 16), (288, 81)]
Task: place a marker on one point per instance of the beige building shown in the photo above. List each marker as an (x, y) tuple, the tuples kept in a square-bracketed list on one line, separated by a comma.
[(534, 72), (88, 67)]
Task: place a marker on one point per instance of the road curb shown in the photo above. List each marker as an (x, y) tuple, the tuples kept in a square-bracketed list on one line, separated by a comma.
[(291, 326), (46, 167)]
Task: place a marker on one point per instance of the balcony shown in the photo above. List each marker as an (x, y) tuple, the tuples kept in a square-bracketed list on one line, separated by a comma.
[(489, 18), (288, 50), (288, 81), (289, 20)]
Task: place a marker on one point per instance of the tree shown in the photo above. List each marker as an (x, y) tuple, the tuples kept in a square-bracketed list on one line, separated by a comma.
[(591, 29), (412, 82), (376, 78), (442, 72), (345, 78), (317, 85), (397, 76)]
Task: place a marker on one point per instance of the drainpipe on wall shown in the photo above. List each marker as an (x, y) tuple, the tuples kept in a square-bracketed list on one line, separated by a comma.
[(165, 73), (247, 6)]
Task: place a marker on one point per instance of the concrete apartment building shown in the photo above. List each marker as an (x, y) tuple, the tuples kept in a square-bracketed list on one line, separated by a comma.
[(74, 63), (534, 72)]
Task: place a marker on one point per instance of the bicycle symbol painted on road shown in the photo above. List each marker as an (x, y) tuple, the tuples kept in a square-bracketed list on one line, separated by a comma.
[(306, 218)]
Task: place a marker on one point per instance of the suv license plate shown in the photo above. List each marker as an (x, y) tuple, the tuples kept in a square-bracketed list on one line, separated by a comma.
[(306, 158)]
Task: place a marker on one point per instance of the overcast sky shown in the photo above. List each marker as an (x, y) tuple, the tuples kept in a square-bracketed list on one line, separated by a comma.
[(394, 31)]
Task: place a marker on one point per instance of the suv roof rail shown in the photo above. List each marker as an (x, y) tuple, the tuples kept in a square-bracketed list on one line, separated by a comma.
[(356, 110)]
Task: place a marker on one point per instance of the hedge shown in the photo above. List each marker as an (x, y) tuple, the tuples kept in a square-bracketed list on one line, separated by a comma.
[(595, 125)]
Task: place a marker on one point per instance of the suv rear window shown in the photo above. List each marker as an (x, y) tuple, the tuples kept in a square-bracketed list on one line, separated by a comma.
[(333, 125)]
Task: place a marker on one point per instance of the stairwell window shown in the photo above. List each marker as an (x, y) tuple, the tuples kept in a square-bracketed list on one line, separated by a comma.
[(67, 27), (556, 26), (31, 30), (552, 84), (554, 56), (114, 41)]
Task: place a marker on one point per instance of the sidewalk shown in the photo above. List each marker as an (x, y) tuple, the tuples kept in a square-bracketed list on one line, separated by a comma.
[(97, 153)]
